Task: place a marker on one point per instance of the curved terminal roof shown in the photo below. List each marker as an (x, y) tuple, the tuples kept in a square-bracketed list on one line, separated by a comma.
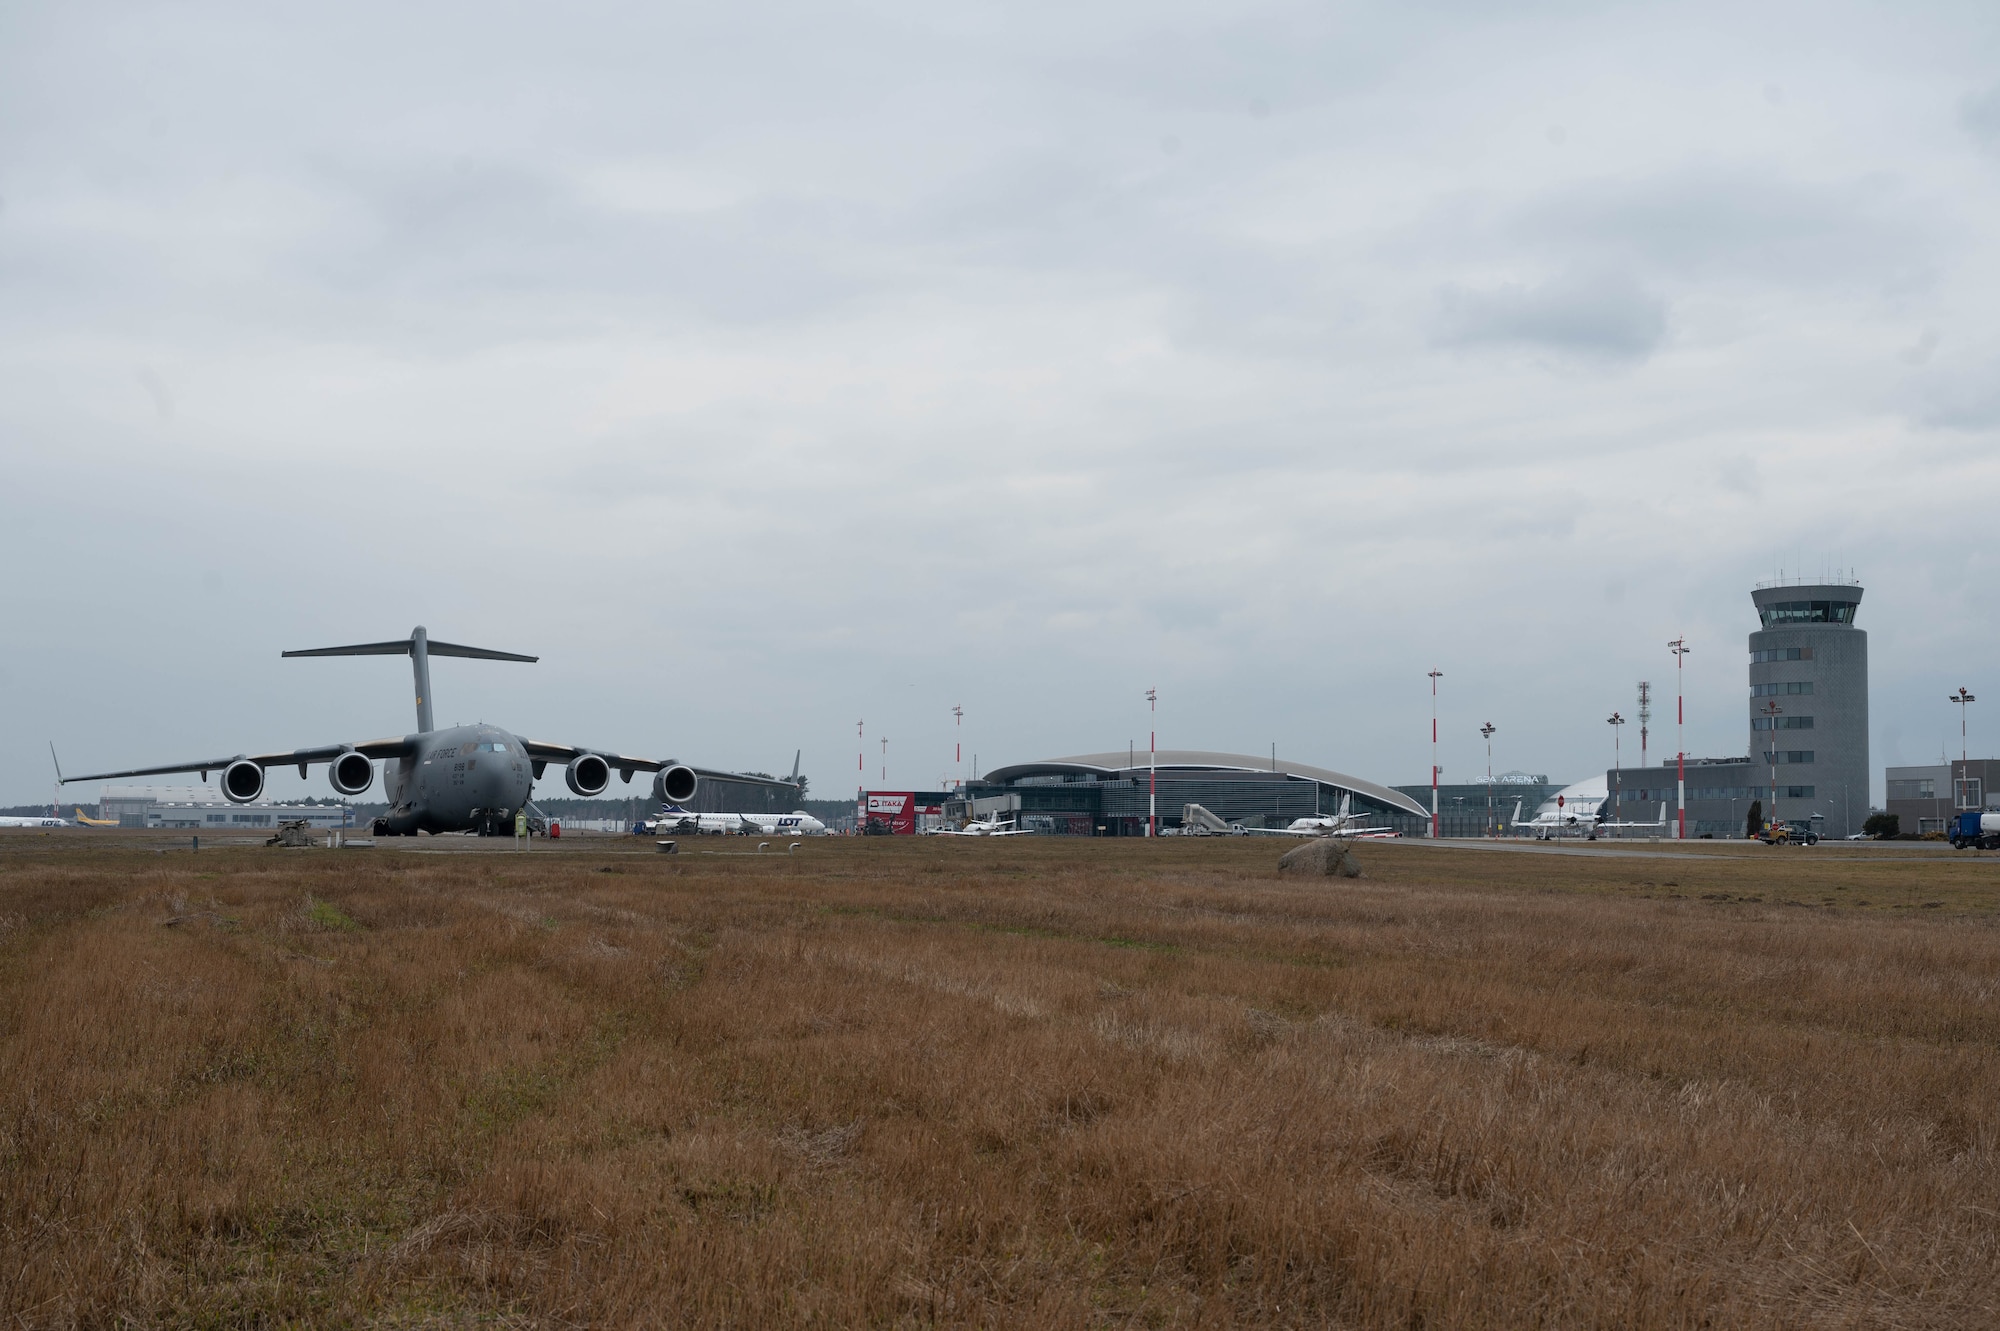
[(1119, 764), (1592, 792)]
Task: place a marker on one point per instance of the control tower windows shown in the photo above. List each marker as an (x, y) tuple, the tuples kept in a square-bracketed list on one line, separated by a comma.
[(1807, 612), (1781, 654), (1782, 690)]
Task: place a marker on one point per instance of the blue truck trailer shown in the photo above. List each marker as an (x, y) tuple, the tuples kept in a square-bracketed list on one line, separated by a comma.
[(1970, 827)]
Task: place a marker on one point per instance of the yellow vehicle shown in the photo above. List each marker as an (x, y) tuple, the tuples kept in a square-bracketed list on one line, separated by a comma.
[(1795, 832)]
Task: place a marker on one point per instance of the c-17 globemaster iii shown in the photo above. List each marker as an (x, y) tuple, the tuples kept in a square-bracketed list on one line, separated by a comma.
[(460, 779)]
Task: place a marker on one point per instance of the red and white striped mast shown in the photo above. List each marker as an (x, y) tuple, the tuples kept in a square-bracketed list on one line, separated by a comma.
[(1679, 648), (1435, 769), (1152, 767)]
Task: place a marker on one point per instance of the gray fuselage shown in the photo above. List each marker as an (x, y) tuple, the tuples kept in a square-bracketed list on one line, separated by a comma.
[(464, 779)]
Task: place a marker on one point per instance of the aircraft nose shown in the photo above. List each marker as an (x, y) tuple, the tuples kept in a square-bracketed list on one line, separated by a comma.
[(496, 786)]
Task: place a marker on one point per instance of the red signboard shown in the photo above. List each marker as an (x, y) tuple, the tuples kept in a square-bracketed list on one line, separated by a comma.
[(896, 809), (902, 812)]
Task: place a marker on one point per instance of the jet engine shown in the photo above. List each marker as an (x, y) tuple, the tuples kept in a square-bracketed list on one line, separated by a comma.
[(674, 785), (351, 773), (588, 775), (242, 781)]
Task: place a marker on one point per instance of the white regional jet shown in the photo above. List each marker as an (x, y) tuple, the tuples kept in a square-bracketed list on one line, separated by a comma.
[(673, 818), (35, 822)]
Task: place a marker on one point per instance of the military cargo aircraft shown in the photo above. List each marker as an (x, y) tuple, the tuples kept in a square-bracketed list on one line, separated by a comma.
[(460, 779)]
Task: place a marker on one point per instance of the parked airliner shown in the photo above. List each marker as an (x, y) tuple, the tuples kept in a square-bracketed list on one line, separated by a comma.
[(673, 818)]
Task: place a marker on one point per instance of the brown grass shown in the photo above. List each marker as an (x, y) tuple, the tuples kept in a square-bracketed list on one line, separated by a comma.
[(1013, 1083)]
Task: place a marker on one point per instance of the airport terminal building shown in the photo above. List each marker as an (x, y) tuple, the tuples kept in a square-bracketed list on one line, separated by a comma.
[(1106, 794), (1474, 808), (1805, 716)]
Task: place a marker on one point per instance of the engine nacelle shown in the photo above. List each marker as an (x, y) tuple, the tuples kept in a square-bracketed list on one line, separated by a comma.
[(350, 773), (242, 782), (674, 785), (588, 775)]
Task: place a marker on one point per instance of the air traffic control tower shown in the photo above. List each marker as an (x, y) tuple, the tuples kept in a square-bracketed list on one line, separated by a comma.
[(1809, 661), (1808, 702)]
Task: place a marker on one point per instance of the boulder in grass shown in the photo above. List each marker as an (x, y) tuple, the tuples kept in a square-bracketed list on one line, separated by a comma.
[(1332, 857)]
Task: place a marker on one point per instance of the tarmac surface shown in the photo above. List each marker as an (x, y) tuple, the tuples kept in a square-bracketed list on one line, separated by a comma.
[(1874, 852)]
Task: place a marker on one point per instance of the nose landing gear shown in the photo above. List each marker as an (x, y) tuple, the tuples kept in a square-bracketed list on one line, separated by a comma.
[(494, 822)]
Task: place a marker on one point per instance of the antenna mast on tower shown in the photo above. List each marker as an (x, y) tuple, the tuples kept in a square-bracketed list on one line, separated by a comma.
[(1645, 715)]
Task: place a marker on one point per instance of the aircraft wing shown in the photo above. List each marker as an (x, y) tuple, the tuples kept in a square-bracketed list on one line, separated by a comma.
[(542, 751), (300, 758), (777, 783)]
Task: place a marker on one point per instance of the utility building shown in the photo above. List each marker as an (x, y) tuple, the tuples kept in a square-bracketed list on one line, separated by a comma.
[(202, 808)]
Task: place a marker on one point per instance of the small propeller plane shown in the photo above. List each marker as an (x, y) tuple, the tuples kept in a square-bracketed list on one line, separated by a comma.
[(460, 779)]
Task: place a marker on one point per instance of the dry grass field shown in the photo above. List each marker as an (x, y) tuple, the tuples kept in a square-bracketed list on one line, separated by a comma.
[(1021, 1083)]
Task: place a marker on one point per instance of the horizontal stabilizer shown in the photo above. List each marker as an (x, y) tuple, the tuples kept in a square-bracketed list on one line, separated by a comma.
[(401, 647)]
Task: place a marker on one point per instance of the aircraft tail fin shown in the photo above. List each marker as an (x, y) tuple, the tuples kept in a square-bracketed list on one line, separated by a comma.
[(796, 755), (419, 648)]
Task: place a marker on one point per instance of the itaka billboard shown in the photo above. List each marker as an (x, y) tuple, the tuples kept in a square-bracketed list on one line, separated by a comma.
[(903, 812)]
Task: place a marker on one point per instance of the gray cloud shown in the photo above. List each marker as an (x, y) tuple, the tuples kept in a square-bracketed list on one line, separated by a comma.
[(1980, 114), (1594, 316)]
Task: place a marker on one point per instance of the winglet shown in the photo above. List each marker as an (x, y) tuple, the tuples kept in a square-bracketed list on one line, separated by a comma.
[(57, 761)]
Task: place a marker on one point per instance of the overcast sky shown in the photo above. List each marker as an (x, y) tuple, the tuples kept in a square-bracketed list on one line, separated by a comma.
[(766, 368)]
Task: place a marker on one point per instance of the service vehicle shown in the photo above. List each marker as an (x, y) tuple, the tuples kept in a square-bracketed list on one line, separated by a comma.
[(1970, 827)]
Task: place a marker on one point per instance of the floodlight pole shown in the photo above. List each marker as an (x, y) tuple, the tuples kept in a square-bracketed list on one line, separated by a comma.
[(1487, 731), (1435, 674), (860, 756), (1679, 648), (958, 742), (885, 760), (1616, 722), (1153, 767), (1771, 712), (1964, 752)]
